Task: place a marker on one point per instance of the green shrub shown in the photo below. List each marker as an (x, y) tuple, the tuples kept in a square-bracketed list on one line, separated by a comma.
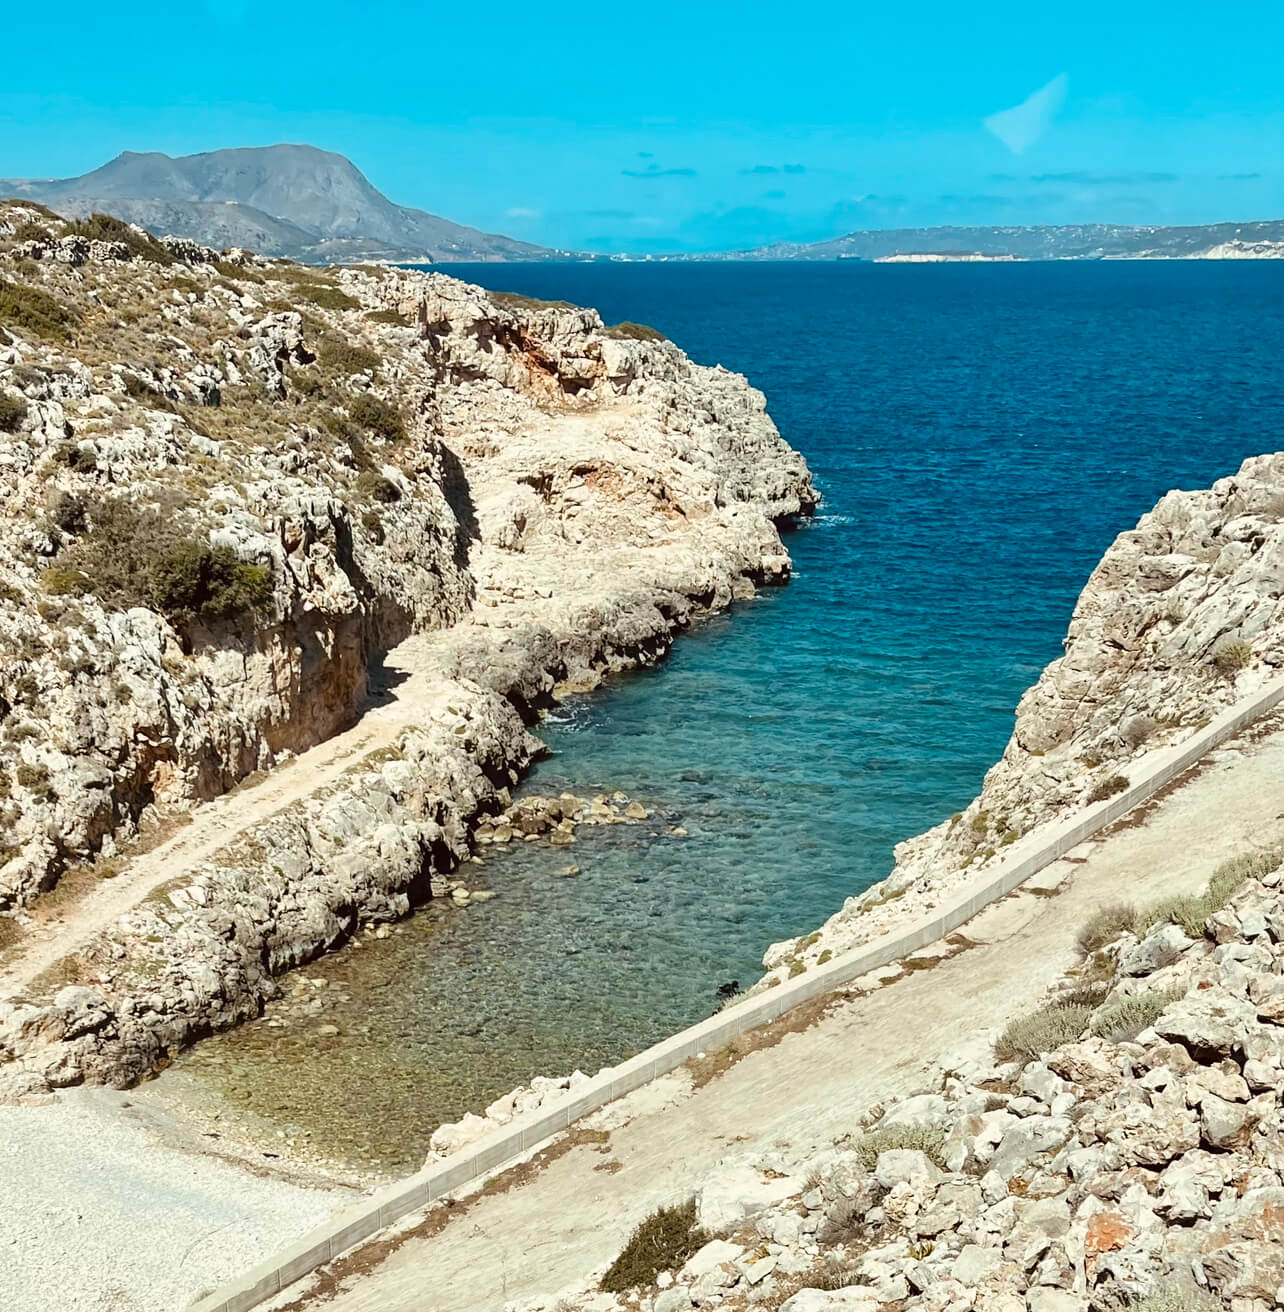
[(1087, 993), (30, 309), (64, 581), (35, 778), (636, 332), (1108, 787), (81, 459), (377, 416), (373, 486), (105, 227), (663, 1242), (344, 358), (1139, 730), (309, 383), (13, 410), (68, 512), (193, 580), (136, 557), (329, 298), (1126, 1017), (922, 1138), (1105, 925), (1230, 656), (1029, 1037)]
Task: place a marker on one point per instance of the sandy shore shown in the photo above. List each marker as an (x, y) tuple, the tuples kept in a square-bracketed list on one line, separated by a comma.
[(110, 1205)]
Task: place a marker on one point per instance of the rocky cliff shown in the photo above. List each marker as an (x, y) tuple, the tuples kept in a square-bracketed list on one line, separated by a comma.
[(231, 488), (1183, 615)]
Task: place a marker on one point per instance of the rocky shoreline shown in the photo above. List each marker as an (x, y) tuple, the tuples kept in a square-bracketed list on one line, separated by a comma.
[(1181, 618), (491, 499)]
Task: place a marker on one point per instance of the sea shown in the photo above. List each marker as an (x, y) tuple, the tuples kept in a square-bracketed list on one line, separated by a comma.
[(980, 434)]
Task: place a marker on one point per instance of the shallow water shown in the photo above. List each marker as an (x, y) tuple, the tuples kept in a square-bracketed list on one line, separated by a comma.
[(980, 433)]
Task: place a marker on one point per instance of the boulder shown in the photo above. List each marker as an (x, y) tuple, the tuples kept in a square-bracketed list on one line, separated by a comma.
[(735, 1194)]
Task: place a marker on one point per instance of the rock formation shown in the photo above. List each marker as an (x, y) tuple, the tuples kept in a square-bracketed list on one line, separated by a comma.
[(1183, 615), (231, 488)]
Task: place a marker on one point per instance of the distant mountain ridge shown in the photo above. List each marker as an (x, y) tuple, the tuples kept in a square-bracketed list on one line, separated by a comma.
[(295, 201), (316, 206), (1072, 241)]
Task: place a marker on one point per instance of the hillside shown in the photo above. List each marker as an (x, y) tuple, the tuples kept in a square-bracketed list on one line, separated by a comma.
[(250, 507), (287, 201)]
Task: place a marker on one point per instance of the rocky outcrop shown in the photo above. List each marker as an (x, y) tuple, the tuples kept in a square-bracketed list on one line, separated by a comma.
[(1134, 1161), (230, 489), (1182, 617)]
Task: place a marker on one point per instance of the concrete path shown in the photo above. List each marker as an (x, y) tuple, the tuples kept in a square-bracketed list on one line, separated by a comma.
[(811, 1087)]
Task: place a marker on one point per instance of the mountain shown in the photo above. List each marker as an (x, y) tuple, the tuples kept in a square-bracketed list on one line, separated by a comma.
[(294, 201), (1082, 241)]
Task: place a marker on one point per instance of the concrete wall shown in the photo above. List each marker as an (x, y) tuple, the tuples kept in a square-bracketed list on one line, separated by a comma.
[(1023, 859)]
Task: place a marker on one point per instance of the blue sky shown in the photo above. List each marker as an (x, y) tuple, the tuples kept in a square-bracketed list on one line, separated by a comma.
[(686, 125)]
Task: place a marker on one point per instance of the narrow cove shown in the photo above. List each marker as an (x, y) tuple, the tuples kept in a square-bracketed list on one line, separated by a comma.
[(977, 452)]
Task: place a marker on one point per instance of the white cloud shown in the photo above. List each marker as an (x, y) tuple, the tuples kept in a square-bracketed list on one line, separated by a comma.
[(1021, 126), (519, 213)]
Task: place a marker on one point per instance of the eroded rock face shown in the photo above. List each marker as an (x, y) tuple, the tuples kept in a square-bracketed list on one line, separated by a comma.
[(1108, 1171), (1183, 616), (522, 500)]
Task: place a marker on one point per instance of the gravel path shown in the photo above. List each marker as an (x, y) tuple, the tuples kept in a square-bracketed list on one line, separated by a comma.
[(101, 1210)]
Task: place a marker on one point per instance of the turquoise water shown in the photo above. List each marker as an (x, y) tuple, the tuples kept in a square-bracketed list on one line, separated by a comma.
[(980, 433)]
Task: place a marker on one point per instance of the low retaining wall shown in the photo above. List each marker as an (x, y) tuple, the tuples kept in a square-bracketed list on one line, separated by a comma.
[(1025, 858)]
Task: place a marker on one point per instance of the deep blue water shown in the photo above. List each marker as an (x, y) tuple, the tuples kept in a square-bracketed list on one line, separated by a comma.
[(980, 434)]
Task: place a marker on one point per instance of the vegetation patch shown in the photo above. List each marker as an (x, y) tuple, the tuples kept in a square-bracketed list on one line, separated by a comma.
[(1029, 1037), (373, 486), (344, 358), (23, 203), (389, 316), (238, 272), (13, 410), (140, 390), (1180, 1296), (1105, 925), (30, 230), (329, 298), (29, 309), (1123, 1019), (635, 332), (515, 301), (1230, 656), (918, 1138), (1109, 787), (103, 227), (377, 417), (136, 557), (1191, 912), (663, 1242)]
